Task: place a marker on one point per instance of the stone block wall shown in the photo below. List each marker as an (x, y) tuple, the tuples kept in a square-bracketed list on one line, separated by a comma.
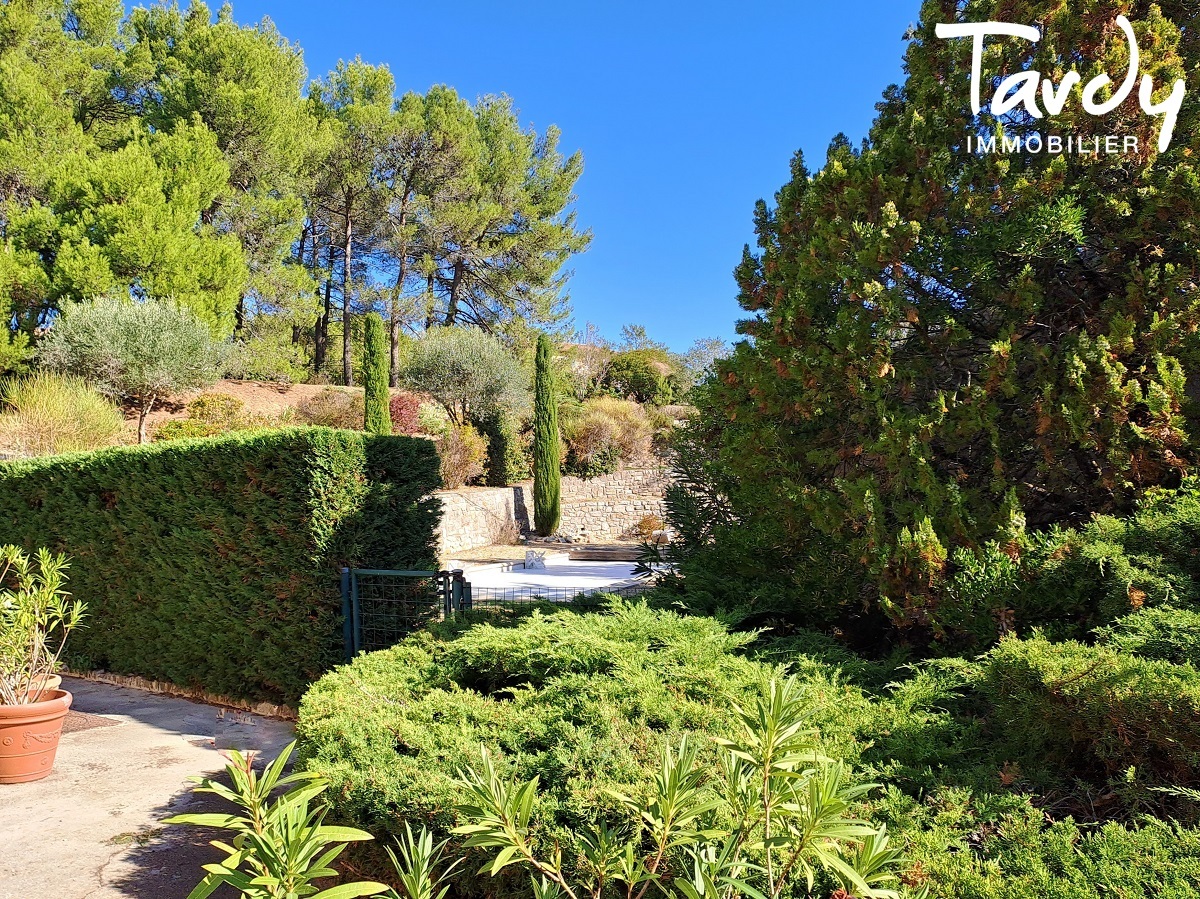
[(596, 510), (481, 516), (599, 510)]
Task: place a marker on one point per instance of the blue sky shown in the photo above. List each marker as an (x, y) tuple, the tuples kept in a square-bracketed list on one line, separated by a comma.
[(686, 114)]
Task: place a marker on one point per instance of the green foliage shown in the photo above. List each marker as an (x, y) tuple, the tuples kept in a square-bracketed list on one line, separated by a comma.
[(37, 616), (169, 152), (946, 348), (777, 816), (586, 702), (500, 228), (1070, 581), (377, 412), (1066, 581), (604, 460), (138, 352), (1093, 709), (997, 786), (266, 350), (1003, 847), (605, 432), (209, 415), (48, 413), (1172, 635), (472, 374), (507, 462), (164, 536), (433, 420), (281, 843), (547, 466), (463, 452), (187, 429), (640, 375)]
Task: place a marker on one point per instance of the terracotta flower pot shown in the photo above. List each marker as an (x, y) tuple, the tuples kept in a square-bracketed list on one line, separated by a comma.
[(51, 682), (29, 737)]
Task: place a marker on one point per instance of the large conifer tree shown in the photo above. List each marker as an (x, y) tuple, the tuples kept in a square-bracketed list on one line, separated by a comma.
[(947, 348)]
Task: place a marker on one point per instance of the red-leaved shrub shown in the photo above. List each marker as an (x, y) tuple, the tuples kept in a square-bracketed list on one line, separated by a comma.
[(406, 413)]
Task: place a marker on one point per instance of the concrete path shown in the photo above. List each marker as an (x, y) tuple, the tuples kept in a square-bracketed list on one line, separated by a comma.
[(93, 828)]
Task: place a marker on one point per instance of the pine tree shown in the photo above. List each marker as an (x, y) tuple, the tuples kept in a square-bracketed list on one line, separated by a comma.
[(944, 343), (547, 476), (378, 417)]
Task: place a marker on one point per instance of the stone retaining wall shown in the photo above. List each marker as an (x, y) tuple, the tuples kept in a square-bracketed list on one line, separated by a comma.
[(596, 510)]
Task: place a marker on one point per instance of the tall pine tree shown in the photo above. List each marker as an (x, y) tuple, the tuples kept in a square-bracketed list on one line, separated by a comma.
[(547, 473)]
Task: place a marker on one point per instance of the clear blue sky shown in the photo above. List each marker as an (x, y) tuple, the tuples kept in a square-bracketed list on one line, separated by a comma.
[(686, 114)]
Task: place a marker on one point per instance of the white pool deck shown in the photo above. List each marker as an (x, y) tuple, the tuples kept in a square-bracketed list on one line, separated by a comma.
[(584, 577)]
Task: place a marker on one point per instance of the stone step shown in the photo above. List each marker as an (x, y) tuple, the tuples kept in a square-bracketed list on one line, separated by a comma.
[(598, 552), (552, 558)]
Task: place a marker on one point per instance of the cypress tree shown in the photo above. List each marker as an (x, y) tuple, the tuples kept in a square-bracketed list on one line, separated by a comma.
[(547, 500), (377, 417)]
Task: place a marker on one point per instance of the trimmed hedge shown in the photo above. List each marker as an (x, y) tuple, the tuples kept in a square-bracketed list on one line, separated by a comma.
[(214, 563)]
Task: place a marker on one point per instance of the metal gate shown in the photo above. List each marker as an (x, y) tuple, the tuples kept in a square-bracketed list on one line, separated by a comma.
[(380, 607)]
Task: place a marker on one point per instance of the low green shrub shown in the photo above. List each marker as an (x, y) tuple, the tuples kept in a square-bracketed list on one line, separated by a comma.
[(996, 791), (999, 845), (1095, 711), (214, 563), (208, 415), (1169, 634), (585, 702), (186, 429), (1067, 582), (433, 420), (773, 818), (507, 460)]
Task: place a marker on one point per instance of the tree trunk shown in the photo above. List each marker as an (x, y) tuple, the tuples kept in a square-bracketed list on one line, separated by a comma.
[(321, 333), (430, 300), (143, 414), (239, 314), (394, 314), (452, 300), (394, 333), (347, 372)]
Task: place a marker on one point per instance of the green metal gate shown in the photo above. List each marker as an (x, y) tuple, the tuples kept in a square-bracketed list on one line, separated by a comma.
[(382, 606)]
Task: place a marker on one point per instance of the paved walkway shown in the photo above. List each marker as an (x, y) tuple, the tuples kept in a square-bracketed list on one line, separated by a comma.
[(93, 828)]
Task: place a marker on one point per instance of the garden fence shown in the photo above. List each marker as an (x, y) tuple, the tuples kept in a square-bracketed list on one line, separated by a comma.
[(381, 607)]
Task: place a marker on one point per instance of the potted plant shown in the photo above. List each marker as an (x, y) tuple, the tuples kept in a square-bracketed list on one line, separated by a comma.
[(36, 617)]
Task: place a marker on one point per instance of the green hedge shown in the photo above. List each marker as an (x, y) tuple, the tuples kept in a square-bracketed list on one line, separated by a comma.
[(214, 563)]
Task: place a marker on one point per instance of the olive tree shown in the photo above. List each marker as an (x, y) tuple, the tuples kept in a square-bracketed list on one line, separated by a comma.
[(135, 352), (470, 373)]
